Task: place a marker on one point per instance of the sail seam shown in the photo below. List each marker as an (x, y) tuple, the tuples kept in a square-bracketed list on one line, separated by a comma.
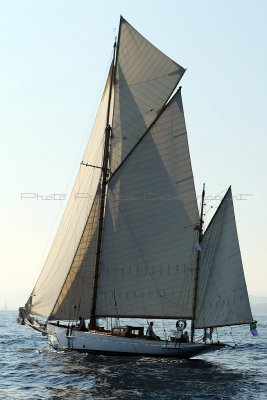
[(69, 271), (144, 134)]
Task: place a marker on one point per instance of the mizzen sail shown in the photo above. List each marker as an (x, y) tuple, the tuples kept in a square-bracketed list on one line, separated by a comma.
[(222, 297)]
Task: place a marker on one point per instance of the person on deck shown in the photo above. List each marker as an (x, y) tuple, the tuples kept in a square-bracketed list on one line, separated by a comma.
[(184, 337), (81, 326), (150, 333)]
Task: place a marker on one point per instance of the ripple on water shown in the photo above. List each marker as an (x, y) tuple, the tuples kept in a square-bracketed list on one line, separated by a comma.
[(29, 369)]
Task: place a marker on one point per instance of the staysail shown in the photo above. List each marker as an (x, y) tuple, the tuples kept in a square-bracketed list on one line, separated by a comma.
[(76, 294), (59, 261), (222, 297), (148, 257)]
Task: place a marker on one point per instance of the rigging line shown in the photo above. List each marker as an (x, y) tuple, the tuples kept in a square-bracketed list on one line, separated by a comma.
[(211, 208), (76, 219), (189, 279), (217, 195), (231, 333), (94, 153), (165, 105), (241, 340), (136, 246), (130, 122), (138, 250), (104, 186), (101, 89), (49, 278), (215, 285), (144, 263), (74, 289), (214, 282), (115, 304), (41, 262), (78, 311), (66, 277), (156, 79), (70, 223), (120, 140), (188, 276), (209, 261)]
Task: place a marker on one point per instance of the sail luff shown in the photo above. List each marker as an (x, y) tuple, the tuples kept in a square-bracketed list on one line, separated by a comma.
[(64, 283), (75, 307), (58, 262), (198, 255), (75, 297)]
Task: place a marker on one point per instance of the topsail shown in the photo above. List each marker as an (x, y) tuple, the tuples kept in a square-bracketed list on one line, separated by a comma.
[(145, 79)]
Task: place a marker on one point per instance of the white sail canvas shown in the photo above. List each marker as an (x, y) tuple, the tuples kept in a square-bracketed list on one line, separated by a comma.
[(76, 294), (127, 245), (145, 79), (222, 297), (148, 254), (68, 236)]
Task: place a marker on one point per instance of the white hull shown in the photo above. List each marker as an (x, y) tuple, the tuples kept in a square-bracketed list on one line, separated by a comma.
[(103, 343)]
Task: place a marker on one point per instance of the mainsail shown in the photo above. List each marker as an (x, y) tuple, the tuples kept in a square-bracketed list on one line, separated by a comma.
[(222, 293), (148, 256)]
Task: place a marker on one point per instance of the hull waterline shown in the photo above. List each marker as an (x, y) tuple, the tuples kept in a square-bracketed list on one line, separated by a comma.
[(103, 343)]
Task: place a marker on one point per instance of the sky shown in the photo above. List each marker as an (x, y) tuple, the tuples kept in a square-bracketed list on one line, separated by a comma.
[(54, 58)]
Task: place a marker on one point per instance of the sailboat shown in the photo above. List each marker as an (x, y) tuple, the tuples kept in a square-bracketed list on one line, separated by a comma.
[(131, 242)]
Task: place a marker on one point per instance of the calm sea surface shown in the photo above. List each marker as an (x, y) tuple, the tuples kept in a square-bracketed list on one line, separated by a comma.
[(30, 369)]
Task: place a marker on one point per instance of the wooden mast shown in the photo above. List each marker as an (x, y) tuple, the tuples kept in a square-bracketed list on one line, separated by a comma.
[(200, 235), (104, 181)]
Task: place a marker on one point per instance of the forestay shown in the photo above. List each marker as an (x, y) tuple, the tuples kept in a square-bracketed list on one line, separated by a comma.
[(68, 236), (77, 291)]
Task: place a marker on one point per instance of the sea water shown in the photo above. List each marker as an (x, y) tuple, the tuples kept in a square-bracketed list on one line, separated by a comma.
[(30, 369)]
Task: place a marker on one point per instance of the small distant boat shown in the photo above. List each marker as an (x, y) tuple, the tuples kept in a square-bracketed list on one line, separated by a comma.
[(131, 242)]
